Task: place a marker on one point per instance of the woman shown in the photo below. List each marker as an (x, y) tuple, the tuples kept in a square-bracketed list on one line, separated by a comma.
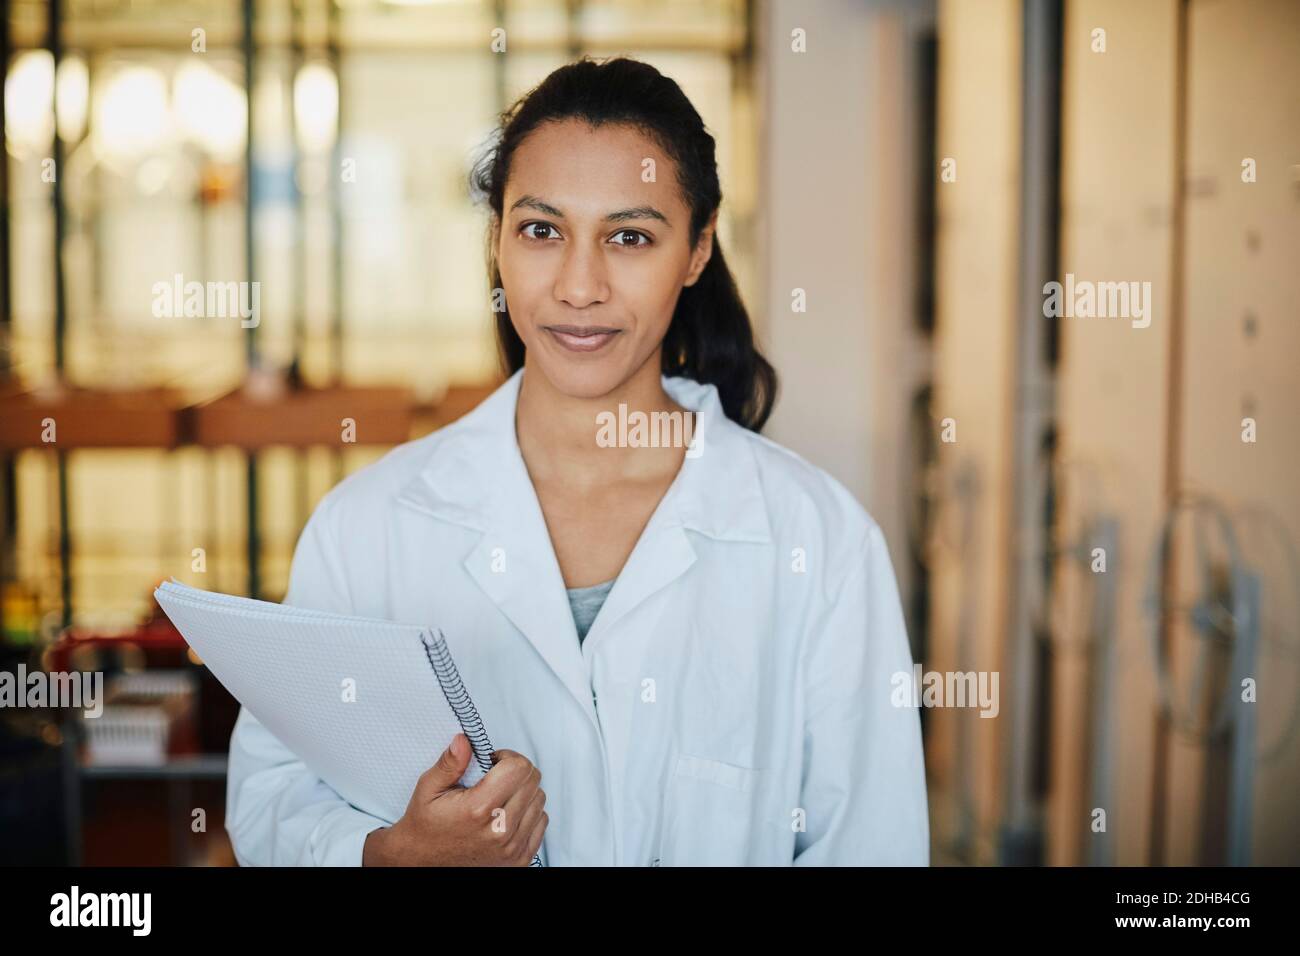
[(731, 701)]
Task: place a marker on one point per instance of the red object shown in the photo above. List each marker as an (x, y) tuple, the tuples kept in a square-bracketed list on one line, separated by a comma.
[(162, 644)]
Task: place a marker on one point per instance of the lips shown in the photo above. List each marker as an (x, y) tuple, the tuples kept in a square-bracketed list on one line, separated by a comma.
[(582, 338)]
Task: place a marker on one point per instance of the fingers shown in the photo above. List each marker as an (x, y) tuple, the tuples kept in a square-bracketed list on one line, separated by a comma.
[(499, 784), (535, 840), (510, 798), (525, 818), (519, 801), (446, 771)]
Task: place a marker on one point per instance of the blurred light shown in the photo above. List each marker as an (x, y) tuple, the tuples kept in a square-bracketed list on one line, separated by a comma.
[(316, 107), (73, 87), (311, 178), (131, 114), (152, 175), (29, 103), (271, 113), (211, 110)]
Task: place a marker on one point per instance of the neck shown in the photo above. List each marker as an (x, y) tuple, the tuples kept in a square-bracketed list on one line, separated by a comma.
[(557, 432)]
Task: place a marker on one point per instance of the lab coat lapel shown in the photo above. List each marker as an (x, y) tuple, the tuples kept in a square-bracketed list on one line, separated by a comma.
[(661, 555), (477, 478), (715, 493), (515, 565)]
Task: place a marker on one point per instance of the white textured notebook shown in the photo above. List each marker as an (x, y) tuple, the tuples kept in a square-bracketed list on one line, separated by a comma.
[(367, 705)]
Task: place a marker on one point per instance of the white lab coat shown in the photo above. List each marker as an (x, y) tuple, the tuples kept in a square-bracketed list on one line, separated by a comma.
[(730, 705)]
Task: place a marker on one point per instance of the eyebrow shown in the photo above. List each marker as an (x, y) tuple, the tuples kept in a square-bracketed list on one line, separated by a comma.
[(621, 215)]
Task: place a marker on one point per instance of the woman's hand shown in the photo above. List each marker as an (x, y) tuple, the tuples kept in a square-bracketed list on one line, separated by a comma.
[(497, 822)]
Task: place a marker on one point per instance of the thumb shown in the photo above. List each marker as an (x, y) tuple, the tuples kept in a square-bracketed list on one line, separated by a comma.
[(449, 768)]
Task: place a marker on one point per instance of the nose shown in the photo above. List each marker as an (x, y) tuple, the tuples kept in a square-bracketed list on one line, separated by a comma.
[(582, 279)]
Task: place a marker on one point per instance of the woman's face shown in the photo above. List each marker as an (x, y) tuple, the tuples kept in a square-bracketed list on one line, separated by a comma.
[(592, 256)]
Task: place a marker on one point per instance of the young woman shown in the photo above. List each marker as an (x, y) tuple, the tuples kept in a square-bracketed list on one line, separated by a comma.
[(691, 632)]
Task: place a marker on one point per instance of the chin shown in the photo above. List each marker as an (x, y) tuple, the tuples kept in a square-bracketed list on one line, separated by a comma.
[(579, 379)]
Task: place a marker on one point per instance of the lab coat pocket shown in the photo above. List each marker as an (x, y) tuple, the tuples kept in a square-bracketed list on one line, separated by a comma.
[(710, 812)]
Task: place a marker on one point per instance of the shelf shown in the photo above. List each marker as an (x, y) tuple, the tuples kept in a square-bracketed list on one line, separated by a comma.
[(90, 418), (305, 418), (156, 418), (197, 767)]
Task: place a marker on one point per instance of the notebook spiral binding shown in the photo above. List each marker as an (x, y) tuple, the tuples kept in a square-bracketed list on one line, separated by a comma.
[(444, 668)]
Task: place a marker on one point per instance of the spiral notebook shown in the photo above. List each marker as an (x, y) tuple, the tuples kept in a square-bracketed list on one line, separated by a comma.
[(367, 705)]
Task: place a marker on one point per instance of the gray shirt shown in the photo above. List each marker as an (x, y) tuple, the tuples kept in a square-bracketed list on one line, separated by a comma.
[(586, 604)]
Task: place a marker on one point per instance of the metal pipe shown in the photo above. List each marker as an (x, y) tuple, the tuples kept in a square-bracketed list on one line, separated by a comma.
[(1173, 429), (54, 25), (250, 267), (1021, 838), (8, 460)]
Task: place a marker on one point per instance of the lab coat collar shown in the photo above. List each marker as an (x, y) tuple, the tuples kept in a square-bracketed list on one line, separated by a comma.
[(475, 477)]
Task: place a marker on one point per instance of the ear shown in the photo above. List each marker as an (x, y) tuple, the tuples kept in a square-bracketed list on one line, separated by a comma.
[(703, 251)]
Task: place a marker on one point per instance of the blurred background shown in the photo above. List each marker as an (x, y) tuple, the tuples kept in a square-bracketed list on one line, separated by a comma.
[(1100, 511)]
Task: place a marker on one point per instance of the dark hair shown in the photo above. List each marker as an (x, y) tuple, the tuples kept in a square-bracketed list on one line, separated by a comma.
[(710, 338)]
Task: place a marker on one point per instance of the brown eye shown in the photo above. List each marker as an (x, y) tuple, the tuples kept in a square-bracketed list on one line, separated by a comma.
[(636, 235), (536, 225)]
